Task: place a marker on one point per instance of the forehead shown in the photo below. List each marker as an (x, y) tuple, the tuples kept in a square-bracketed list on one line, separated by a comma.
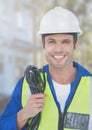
[(60, 36)]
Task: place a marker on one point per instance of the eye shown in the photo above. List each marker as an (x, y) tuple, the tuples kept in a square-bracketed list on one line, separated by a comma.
[(66, 41), (51, 42)]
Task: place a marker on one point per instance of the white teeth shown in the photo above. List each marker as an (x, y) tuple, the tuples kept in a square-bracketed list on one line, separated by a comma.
[(58, 57)]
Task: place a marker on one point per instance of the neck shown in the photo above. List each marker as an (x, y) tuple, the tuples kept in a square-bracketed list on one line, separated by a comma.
[(63, 76)]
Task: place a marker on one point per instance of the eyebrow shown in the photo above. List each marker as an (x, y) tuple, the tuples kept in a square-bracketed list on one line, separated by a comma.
[(50, 38), (67, 40)]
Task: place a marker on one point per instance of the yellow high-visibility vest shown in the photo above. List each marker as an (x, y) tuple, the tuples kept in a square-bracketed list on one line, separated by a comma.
[(78, 112)]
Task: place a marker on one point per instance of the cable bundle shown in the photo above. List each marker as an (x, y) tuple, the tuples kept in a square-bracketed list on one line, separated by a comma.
[(37, 82)]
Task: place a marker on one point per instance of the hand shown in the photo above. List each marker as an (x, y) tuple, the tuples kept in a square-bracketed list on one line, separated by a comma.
[(34, 105)]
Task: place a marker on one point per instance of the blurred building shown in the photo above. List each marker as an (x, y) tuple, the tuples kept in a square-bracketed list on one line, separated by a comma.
[(17, 42)]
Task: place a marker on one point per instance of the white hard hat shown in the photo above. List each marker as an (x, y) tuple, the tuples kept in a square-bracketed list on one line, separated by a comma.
[(59, 20)]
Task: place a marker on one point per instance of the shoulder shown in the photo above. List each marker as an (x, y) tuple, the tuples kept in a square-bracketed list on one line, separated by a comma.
[(18, 88), (81, 70), (44, 68)]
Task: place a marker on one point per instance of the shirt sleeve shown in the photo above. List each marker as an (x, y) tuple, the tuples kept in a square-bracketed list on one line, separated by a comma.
[(8, 117)]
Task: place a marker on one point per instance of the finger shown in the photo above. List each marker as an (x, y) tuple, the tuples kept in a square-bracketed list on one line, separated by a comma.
[(41, 95), (39, 104)]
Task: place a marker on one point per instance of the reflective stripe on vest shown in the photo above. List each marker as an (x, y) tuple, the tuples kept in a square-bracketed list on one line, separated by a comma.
[(78, 109)]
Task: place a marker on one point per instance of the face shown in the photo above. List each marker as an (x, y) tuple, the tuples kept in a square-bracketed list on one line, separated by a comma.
[(59, 49)]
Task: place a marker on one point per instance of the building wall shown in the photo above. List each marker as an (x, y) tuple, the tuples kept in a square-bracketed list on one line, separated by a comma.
[(17, 48)]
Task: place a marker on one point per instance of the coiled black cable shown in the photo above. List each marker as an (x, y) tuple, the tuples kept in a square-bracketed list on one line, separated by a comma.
[(35, 80), (37, 84)]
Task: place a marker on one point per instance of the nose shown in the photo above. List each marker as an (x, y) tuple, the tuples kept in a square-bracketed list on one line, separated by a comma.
[(58, 47)]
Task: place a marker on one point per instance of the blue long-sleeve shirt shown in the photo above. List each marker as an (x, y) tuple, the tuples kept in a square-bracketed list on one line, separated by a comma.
[(8, 117)]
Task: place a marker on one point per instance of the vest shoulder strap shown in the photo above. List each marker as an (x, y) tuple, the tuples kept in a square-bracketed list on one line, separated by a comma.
[(90, 119)]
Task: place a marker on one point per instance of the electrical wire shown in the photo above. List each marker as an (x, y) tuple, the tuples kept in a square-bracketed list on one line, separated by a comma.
[(37, 84)]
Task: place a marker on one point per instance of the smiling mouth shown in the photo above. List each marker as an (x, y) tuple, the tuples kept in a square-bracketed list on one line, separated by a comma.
[(58, 57)]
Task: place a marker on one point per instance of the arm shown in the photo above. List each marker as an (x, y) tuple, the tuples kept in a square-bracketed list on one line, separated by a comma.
[(8, 117), (14, 116)]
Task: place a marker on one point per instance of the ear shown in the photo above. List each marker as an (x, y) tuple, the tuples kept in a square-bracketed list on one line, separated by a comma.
[(43, 44), (76, 45)]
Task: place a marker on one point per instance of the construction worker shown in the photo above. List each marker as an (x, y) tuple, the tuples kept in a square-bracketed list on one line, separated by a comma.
[(65, 103)]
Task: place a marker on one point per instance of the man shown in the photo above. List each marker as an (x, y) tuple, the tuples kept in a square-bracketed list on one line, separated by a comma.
[(65, 103)]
